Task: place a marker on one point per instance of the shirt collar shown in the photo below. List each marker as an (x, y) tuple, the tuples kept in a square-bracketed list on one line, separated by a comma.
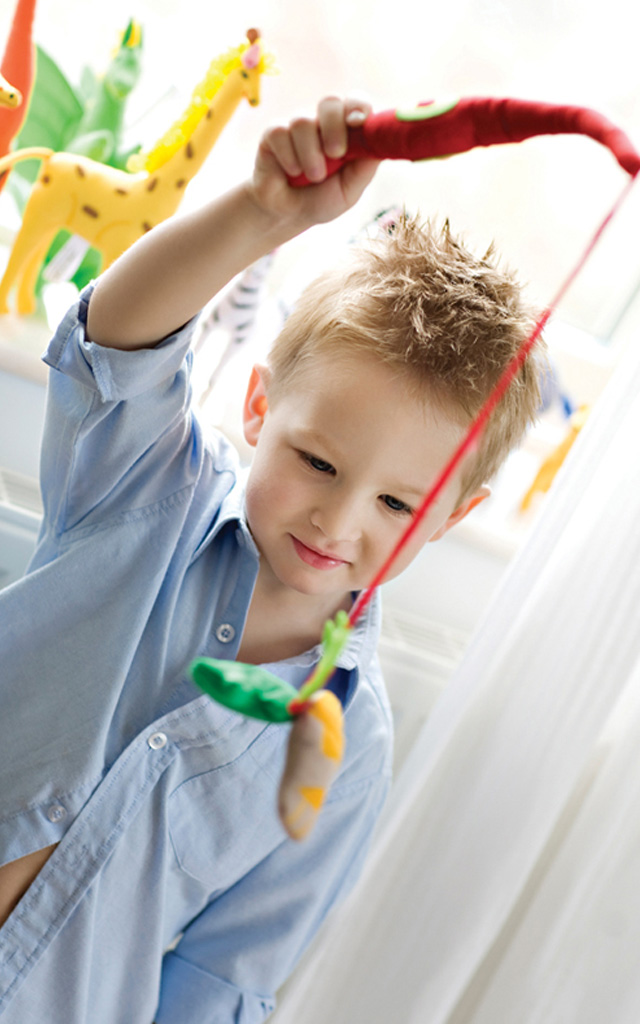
[(231, 514), (354, 661)]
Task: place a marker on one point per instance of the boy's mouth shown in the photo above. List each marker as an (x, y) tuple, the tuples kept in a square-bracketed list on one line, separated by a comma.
[(315, 558)]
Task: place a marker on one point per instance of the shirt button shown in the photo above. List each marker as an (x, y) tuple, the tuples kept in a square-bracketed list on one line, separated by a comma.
[(157, 741), (225, 633), (56, 813)]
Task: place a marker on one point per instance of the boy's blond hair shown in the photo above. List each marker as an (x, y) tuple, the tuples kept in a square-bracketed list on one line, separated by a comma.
[(446, 320)]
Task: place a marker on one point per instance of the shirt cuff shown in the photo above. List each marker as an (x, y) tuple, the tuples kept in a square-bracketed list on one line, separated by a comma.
[(189, 995), (114, 373)]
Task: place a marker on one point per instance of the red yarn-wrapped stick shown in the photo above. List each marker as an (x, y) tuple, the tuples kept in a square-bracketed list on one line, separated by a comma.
[(435, 129)]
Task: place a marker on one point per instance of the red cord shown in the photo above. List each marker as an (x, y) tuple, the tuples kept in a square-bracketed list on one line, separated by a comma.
[(480, 422)]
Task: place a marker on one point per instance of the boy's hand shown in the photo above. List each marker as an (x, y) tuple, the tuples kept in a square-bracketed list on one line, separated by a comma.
[(301, 147), (170, 273)]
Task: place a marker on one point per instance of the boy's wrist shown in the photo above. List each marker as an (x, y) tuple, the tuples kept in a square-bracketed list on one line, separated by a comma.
[(275, 222)]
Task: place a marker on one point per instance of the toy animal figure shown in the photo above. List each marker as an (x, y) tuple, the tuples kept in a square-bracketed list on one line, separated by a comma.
[(9, 96), (236, 312), (551, 465), (110, 208), (89, 121), (17, 67), (99, 132)]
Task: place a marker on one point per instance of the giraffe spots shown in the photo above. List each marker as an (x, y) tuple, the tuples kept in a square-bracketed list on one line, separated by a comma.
[(151, 184), (90, 211), (146, 226), (188, 151), (181, 182), (80, 171), (45, 179), (121, 191)]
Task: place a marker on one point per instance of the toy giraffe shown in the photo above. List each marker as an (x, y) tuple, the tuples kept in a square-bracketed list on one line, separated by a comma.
[(17, 67), (109, 208), (89, 121)]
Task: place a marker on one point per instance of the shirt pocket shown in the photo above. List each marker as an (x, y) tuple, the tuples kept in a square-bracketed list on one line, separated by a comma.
[(224, 821)]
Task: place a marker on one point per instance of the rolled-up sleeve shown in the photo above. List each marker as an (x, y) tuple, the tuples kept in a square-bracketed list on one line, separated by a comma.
[(235, 955), (106, 411), (191, 994)]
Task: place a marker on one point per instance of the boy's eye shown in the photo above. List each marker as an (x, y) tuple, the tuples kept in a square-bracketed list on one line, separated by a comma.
[(396, 505), (318, 464)]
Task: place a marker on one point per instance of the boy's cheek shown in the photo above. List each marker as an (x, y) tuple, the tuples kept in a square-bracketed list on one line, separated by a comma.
[(265, 494), (271, 501), (409, 554)]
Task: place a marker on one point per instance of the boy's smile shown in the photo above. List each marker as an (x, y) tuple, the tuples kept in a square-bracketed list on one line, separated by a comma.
[(312, 556), (344, 454)]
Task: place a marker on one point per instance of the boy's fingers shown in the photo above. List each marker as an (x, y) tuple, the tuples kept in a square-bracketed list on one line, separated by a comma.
[(356, 176), (278, 143), (327, 135), (356, 111), (332, 126), (301, 147), (308, 147)]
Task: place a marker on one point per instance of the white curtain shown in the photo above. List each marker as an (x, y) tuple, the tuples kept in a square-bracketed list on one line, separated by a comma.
[(505, 885)]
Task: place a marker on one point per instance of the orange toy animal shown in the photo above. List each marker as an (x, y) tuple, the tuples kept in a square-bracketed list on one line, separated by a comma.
[(17, 68)]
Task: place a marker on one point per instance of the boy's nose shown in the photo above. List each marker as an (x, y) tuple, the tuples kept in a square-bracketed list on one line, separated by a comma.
[(338, 520)]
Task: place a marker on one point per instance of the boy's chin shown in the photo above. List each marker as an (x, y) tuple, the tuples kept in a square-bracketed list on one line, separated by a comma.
[(316, 583)]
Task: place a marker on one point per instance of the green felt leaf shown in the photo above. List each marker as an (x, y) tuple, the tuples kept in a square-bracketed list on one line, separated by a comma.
[(248, 689)]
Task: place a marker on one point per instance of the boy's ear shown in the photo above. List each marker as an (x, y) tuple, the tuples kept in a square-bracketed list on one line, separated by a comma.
[(255, 404), (462, 510)]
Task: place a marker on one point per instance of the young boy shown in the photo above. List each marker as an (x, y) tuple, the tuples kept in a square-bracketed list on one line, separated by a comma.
[(134, 810)]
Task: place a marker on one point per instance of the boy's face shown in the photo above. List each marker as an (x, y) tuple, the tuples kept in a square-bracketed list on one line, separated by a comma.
[(344, 455)]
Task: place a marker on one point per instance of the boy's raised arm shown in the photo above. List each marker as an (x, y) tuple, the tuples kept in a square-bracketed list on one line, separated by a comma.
[(171, 273)]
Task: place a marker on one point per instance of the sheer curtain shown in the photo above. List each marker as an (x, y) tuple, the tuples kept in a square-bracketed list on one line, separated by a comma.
[(505, 885)]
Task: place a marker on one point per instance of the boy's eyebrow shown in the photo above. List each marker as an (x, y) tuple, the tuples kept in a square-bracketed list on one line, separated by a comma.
[(406, 489), (313, 437), (310, 436)]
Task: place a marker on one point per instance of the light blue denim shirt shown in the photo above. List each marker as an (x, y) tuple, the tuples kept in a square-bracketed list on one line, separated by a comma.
[(163, 803)]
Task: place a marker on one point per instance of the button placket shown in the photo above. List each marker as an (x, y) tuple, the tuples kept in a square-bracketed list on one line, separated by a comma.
[(225, 633), (56, 813), (157, 740)]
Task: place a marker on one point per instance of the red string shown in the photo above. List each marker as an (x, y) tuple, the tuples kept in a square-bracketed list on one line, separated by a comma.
[(480, 422)]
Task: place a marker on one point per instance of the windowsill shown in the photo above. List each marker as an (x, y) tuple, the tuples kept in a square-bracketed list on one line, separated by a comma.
[(22, 342), (23, 339)]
